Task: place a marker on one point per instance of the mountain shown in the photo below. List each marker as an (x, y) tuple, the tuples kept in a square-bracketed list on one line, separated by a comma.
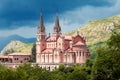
[(5, 40), (17, 46), (98, 31)]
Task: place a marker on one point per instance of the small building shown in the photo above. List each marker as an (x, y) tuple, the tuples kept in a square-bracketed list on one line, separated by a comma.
[(19, 57), (15, 58)]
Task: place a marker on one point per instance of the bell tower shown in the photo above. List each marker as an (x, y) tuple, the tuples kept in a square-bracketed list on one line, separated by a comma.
[(57, 28), (41, 39)]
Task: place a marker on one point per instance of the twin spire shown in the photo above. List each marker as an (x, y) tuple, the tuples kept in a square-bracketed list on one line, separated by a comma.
[(41, 27), (57, 28)]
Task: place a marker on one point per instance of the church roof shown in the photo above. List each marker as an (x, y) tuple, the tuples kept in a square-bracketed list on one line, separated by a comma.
[(79, 43), (69, 50), (13, 54), (3, 56), (51, 38), (68, 38), (48, 50)]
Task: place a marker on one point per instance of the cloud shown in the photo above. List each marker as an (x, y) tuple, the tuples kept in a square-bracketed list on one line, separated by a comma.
[(79, 16), (69, 19), (17, 13)]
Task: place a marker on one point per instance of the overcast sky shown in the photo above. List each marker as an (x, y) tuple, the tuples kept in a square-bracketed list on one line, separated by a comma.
[(21, 17)]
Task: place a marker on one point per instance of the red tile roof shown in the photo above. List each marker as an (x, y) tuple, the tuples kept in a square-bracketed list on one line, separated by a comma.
[(68, 37), (52, 38), (79, 43), (12, 54), (3, 56), (48, 50)]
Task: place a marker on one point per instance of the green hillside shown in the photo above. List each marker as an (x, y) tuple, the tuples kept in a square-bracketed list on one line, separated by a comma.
[(98, 31), (17, 46)]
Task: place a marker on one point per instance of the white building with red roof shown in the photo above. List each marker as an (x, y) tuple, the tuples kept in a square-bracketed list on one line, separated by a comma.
[(58, 48)]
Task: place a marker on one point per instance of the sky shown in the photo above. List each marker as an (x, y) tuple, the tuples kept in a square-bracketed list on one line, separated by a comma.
[(21, 17)]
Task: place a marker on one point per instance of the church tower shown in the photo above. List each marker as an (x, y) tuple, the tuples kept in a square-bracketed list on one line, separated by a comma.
[(41, 36), (57, 28)]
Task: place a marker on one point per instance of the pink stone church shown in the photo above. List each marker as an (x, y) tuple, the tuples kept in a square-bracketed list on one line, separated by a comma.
[(58, 48)]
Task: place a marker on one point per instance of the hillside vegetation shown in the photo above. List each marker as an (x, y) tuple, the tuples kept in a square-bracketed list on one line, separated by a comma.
[(6, 40), (17, 46), (98, 30)]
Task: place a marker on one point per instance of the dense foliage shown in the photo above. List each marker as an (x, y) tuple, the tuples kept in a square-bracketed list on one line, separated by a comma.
[(107, 63), (26, 72)]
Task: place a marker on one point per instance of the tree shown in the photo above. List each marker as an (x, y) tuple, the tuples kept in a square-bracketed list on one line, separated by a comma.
[(2, 67), (107, 63), (8, 51), (61, 67), (33, 56), (77, 75), (7, 74), (21, 74)]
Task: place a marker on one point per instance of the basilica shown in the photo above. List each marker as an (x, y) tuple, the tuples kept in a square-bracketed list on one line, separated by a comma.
[(58, 48)]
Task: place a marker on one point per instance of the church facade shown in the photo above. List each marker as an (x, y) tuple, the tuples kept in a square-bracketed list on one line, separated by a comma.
[(58, 48)]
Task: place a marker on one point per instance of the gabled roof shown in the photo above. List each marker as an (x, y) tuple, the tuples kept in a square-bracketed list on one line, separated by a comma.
[(79, 43)]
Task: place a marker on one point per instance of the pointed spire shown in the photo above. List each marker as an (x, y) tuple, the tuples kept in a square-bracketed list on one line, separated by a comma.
[(57, 20), (57, 28), (41, 27), (41, 19)]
